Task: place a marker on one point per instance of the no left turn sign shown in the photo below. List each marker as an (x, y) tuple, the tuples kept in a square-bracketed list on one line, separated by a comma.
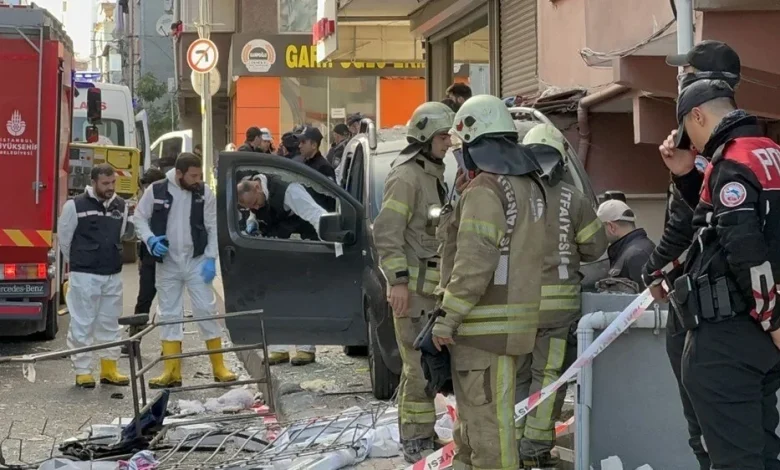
[(202, 56)]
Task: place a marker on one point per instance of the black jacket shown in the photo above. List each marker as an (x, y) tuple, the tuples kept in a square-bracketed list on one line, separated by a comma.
[(628, 255), (738, 215), (247, 147), (335, 153), (319, 163)]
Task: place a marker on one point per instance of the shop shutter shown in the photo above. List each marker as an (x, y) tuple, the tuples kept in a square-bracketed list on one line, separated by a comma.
[(518, 47)]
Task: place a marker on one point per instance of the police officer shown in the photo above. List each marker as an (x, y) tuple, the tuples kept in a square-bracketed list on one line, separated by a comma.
[(706, 59), (405, 237), (492, 261), (573, 234), (727, 296), (90, 231), (177, 219)]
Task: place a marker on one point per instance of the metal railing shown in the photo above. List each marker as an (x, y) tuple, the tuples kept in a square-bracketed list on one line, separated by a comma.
[(138, 370)]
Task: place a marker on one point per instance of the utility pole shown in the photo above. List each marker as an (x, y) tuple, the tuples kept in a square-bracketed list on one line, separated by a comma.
[(684, 27), (204, 32)]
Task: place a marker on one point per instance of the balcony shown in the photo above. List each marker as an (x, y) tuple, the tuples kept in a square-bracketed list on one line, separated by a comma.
[(736, 5), (223, 15)]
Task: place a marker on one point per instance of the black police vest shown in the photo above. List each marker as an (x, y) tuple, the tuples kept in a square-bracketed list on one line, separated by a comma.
[(96, 247), (162, 207), (274, 220)]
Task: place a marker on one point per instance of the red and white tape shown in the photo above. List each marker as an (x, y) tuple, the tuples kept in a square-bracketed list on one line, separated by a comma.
[(442, 458)]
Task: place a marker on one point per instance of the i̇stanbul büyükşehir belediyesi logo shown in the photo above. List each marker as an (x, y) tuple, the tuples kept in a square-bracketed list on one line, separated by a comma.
[(16, 144), (258, 55)]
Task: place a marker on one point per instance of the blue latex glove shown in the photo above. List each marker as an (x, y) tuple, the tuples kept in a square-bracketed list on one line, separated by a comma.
[(209, 270), (158, 245), (252, 226)]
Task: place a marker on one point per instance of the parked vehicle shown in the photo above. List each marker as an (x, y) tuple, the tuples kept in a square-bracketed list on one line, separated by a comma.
[(36, 105), (171, 145), (322, 292)]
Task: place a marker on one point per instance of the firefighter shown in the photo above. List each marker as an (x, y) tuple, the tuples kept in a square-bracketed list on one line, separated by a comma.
[(726, 297), (90, 231), (491, 275), (177, 220), (405, 237), (574, 234)]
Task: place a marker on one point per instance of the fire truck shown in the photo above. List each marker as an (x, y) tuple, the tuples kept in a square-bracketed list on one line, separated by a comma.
[(36, 110)]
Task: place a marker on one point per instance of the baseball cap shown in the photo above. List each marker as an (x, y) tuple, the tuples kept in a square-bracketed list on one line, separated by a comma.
[(252, 133), (694, 95), (352, 119), (708, 56), (310, 133), (615, 210), (265, 134)]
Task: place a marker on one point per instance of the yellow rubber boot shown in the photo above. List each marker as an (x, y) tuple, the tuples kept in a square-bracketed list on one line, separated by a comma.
[(109, 374), (85, 381), (221, 373), (301, 358), (275, 358), (171, 376)]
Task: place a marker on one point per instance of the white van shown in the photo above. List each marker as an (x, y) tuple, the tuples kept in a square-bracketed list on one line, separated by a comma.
[(119, 125), (171, 145)]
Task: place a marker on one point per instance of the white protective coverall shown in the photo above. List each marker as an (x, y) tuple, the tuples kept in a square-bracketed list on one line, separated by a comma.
[(179, 268), (94, 301), (298, 201)]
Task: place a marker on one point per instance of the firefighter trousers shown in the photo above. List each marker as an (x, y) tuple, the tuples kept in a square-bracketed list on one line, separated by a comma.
[(416, 411), (544, 365), (731, 371), (484, 386)]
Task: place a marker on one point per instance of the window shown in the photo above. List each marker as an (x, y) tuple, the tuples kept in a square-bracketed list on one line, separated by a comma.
[(297, 16), (290, 216), (223, 15), (354, 95), (113, 129), (141, 139), (305, 101)]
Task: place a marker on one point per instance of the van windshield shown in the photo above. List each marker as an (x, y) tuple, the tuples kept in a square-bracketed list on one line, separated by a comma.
[(113, 129)]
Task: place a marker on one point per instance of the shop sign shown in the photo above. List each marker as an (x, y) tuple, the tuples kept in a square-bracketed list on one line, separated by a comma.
[(325, 35), (260, 57)]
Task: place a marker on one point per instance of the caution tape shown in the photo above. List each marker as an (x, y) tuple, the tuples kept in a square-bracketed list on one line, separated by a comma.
[(26, 238), (442, 458)]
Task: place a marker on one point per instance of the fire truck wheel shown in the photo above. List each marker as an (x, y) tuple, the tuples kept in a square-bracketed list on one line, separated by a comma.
[(52, 326)]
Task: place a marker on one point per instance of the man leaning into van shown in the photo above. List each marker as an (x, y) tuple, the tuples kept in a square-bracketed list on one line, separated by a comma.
[(90, 231)]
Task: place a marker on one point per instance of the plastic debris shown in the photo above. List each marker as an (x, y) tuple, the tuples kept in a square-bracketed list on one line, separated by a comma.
[(612, 463), (319, 385), (190, 407), (143, 460), (67, 464), (28, 371), (238, 399)]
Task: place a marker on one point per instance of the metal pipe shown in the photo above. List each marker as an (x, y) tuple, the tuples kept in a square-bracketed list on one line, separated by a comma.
[(583, 123), (37, 181)]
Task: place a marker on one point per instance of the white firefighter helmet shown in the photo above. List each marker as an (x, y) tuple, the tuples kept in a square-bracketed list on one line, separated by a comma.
[(482, 115), (547, 135), (428, 120)]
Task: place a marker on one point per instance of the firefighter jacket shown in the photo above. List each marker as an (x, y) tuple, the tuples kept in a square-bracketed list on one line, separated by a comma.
[(492, 260), (405, 229), (739, 217), (573, 234)]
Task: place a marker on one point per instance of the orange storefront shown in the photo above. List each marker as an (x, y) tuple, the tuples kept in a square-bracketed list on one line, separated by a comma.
[(277, 83)]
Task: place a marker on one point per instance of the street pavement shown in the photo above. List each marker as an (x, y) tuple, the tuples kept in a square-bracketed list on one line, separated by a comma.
[(36, 417)]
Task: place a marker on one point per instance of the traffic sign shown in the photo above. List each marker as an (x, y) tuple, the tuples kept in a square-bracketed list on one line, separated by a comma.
[(215, 80), (202, 55)]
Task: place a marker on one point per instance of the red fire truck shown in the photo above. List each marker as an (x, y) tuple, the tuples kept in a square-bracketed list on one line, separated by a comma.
[(36, 106)]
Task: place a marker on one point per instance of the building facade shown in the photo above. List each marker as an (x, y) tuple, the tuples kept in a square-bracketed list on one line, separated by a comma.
[(597, 68)]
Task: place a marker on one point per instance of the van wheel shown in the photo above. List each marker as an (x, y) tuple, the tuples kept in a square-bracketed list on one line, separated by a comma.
[(383, 380), (52, 325), (356, 351)]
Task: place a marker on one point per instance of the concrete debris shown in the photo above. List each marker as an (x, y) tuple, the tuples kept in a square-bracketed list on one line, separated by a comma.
[(614, 463), (66, 464), (319, 385), (234, 401)]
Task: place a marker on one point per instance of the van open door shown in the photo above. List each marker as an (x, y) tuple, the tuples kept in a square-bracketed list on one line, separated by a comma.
[(310, 291), (142, 138)]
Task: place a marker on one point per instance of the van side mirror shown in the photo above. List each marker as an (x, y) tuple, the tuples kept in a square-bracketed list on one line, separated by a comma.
[(94, 106), (331, 229), (371, 132)]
